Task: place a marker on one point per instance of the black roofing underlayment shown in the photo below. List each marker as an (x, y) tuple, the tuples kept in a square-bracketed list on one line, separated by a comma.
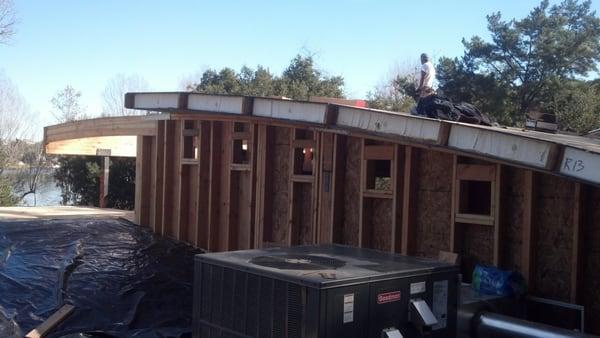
[(122, 279)]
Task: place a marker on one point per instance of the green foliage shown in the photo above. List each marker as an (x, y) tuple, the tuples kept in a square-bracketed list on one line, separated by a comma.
[(7, 198), (577, 106), (398, 96), (525, 60), (121, 191), (300, 80), (77, 177)]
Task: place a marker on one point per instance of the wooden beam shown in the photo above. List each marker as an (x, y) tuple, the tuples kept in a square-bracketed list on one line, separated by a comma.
[(158, 184), (379, 152), (409, 200), (398, 192), (495, 207), (168, 173), (326, 188), (453, 204), (577, 253), (476, 172), (261, 177), (202, 236), (55, 319), (362, 183), (528, 232), (214, 185)]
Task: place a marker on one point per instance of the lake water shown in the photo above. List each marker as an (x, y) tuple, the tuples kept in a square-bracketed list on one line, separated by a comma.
[(48, 194)]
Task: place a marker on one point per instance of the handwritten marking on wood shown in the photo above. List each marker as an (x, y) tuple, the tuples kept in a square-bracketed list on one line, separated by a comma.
[(581, 164)]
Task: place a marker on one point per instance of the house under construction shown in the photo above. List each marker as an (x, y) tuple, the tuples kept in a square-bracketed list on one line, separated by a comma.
[(230, 172)]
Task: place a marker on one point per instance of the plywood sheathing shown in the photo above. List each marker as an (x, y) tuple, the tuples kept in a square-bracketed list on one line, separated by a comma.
[(378, 224), (554, 234), (433, 205), (352, 191)]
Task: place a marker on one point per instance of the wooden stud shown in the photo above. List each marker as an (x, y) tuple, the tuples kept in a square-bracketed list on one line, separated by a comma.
[(528, 232), (202, 236), (158, 184), (397, 190), (408, 201), (454, 206), (577, 253), (495, 208), (361, 211), (168, 173), (261, 177), (214, 190)]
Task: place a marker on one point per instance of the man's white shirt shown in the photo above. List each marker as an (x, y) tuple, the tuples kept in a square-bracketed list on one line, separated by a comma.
[(429, 71)]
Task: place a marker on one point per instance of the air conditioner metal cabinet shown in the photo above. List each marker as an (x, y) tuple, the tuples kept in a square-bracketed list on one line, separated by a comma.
[(324, 291)]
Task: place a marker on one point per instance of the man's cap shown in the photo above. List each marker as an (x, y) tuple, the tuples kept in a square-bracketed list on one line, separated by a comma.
[(424, 56)]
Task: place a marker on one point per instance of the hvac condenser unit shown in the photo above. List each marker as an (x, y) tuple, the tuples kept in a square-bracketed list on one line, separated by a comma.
[(325, 291)]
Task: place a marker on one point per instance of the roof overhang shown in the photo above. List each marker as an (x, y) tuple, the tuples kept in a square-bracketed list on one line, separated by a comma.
[(112, 136)]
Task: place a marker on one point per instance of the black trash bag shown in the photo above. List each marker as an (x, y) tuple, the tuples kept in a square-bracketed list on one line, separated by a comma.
[(440, 107)]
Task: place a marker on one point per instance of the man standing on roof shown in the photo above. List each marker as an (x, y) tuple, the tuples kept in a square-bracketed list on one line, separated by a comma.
[(427, 75)]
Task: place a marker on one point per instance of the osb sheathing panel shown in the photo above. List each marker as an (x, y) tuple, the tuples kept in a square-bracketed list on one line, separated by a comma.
[(477, 247), (352, 192), (302, 220), (378, 223), (280, 174), (553, 217), (591, 259), (433, 202), (511, 203)]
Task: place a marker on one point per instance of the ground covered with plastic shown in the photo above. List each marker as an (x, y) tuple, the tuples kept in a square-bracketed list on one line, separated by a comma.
[(123, 280)]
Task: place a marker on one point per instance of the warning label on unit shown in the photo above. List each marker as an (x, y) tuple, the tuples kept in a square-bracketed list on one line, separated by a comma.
[(440, 303), (348, 308), (419, 287), (388, 297)]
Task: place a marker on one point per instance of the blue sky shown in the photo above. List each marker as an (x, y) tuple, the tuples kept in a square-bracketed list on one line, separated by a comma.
[(85, 43)]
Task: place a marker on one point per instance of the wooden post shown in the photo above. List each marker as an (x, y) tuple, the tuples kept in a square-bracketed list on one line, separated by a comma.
[(528, 238), (496, 192), (453, 205), (408, 201), (576, 255)]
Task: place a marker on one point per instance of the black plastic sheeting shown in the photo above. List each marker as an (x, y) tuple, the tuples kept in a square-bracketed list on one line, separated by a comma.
[(123, 280)]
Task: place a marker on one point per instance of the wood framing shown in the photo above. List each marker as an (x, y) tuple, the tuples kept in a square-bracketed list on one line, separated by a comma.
[(232, 172)]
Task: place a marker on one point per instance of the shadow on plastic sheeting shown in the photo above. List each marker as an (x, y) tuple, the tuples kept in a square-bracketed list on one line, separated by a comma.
[(122, 279)]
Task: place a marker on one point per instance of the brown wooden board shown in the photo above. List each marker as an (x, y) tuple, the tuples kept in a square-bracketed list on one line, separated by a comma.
[(278, 166), (513, 203)]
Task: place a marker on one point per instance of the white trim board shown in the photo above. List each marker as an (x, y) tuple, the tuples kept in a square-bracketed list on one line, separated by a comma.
[(290, 110), (508, 147), (389, 123)]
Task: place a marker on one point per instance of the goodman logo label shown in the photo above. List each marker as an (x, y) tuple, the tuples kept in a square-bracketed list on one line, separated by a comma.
[(388, 297)]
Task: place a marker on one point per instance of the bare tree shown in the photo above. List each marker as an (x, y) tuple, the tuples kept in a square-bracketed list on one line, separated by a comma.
[(16, 122), (8, 21), (114, 94), (66, 105)]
